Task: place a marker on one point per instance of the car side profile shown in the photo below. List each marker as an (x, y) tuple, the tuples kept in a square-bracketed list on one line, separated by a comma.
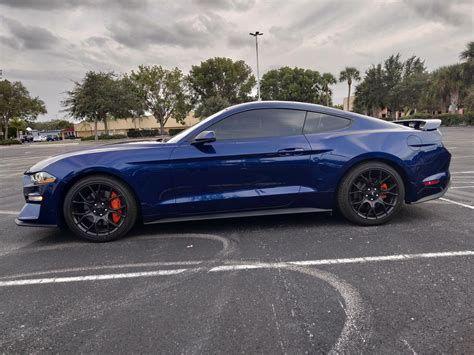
[(256, 158)]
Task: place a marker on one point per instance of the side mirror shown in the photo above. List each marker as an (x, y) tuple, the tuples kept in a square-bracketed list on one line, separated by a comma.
[(204, 137)]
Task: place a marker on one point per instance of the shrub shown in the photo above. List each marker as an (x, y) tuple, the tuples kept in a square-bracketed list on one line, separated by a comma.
[(105, 137), (134, 133), (175, 131), (447, 119), (9, 141)]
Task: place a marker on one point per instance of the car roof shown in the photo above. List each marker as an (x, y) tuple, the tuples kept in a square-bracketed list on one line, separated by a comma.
[(254, 105)]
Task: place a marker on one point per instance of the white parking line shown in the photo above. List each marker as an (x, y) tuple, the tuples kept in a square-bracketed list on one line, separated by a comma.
[(10, 212), (462, 172), (461, 187), (237, 267), (457, 203)]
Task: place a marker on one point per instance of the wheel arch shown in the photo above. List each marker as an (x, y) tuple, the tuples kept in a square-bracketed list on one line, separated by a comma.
[(388, 159), (99, 172)]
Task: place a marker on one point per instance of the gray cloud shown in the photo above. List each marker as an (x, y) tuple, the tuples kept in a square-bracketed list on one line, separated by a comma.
[(238, 5), (452, 12), (195, 31), (48, 5), (28, 37)]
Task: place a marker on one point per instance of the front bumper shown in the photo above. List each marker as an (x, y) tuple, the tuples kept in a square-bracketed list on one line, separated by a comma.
[(26, 224), (40, 214)]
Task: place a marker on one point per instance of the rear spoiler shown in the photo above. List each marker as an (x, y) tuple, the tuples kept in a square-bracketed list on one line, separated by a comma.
[(421, 125)]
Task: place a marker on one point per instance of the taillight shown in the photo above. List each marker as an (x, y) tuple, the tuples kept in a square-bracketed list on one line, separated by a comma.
[(431, 182)]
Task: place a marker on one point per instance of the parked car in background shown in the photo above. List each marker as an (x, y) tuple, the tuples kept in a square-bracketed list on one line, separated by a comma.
[(52, 138), (26, 138), (39, 139), (258, 158)]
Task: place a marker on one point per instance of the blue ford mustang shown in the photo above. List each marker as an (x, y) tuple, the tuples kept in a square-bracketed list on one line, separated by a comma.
[(251, 159)]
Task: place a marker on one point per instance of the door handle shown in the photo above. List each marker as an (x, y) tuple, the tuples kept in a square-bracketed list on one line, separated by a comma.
[(290, 151)]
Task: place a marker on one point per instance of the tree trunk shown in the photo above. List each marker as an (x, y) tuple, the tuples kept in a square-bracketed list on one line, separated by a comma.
[(348, 97), (162, 127), (327, 98), (6, 129), (106, 127), (95, 130)]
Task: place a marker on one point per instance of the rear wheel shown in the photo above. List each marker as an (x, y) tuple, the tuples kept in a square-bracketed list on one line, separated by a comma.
[(371, 194), (100, 208)]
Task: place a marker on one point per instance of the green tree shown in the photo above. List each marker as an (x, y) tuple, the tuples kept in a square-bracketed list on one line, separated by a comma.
[(371, 93), (162, 92), (448, 87), (212, 105), (16, 102), (100, 97), (52, 125), (18, 124), (396, 85), (408, 82), (349, 74), (468, 54), (393, 73), (292, 84), (327, 79), (221, 79)]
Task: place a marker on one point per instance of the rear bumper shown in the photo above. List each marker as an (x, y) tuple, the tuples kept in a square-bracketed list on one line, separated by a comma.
[(428, 193)]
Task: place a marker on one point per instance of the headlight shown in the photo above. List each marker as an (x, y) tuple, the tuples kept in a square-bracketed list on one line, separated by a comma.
[(42, 178)]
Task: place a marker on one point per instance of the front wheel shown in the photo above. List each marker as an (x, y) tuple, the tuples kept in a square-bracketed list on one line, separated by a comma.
[(371, 194), (100, 208)]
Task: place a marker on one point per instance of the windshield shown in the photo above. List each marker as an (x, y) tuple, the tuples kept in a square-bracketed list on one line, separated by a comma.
[(184, 133)]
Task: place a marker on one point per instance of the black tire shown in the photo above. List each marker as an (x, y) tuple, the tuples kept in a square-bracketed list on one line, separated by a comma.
[(100, 208), (370, 194)]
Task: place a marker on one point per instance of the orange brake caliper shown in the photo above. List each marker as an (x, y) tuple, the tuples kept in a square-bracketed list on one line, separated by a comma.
[(115, 203)]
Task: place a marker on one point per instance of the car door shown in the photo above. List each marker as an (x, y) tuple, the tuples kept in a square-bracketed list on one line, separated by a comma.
[(258, 161)]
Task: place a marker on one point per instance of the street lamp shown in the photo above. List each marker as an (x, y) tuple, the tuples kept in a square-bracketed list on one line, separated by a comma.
[(256, 34)]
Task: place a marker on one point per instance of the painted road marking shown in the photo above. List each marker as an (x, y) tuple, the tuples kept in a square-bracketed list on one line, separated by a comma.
[(461, 187), (236, 267), (10, 212), (457, 203)]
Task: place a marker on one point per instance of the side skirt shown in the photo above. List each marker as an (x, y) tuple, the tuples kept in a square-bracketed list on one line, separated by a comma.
[(240, 214)]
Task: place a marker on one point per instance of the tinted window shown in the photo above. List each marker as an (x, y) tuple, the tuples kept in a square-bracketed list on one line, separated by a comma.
[(260, 123), (320, 122)]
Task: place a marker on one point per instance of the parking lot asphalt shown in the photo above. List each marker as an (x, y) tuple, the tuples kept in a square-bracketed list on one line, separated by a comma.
[(278, 284)]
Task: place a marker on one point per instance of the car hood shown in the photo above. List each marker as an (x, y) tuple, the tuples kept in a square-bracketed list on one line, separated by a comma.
[(100, 151)]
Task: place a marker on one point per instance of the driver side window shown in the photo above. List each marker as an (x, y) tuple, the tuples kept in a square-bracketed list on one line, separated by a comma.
[(260, 123)]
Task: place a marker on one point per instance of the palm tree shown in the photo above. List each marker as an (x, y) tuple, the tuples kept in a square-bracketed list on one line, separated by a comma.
[(18, 124), (349, 74), (327, 79), (468, 54), (448, 86), (468, 66)]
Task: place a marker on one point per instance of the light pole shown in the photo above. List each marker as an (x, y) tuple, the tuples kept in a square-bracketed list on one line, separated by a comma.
[(256, 34)]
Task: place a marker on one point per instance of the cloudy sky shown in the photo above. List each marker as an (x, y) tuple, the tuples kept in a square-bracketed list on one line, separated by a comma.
[(49, 43)]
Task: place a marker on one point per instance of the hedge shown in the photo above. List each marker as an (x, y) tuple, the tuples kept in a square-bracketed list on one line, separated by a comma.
[(447, 119), (175, 131), (105, 136), (134, 133), (9, 141)]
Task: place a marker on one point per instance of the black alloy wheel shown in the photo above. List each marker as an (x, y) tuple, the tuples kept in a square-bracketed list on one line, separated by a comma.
[(100, 208), (371, 194)]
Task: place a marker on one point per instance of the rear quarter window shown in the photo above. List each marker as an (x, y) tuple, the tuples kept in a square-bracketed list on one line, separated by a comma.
[(321, 122)]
